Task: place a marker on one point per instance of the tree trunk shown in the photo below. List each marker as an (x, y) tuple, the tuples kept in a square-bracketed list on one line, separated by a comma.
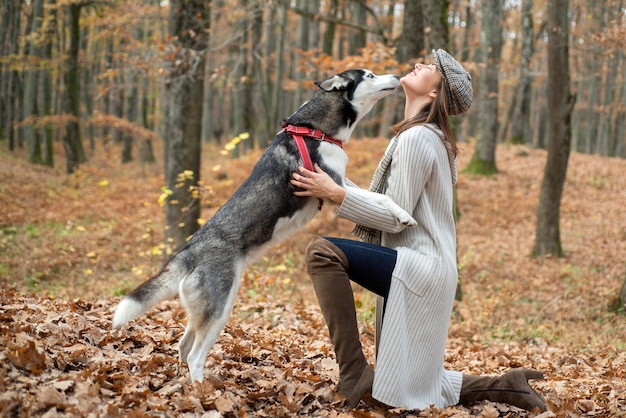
[(131, 116), (118, 92), (72, 142), (560, 105), (207, 133), (303, 45), (592, 85), (251, 122), (620, 115), (238, 56), (146, 151), (436, 14), (86, 84), (5, 23), (358, 38), (519, 129), (357, 41), (280, 65), (189, 23), (484, 158), (13, 91), (264, 131), (608, 142), (31, 134), (469, 24), (117, 106), (46, 81), (331, 29), (15, 96), (410, 45), (107, 99)]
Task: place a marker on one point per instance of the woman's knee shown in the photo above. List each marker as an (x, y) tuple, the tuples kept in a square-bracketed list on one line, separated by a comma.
[(320, 253)]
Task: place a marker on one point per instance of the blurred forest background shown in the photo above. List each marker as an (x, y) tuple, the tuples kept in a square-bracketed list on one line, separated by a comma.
[(114, 112), (92, 74)]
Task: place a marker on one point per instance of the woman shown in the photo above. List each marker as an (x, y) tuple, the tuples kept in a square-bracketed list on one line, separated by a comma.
[(413, 268)]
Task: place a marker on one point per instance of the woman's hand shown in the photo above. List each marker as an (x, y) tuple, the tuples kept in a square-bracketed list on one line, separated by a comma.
[(317, 184)]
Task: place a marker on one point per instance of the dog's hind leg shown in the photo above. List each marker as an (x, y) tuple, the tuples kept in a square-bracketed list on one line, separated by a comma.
[(184, 347), (208, 296), (205, 337)]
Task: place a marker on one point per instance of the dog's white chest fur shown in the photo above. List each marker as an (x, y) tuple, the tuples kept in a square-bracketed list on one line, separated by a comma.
[(334, 157)]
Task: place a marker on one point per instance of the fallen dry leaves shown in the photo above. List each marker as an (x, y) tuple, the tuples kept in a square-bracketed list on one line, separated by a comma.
[(68, 245), (61, 357)]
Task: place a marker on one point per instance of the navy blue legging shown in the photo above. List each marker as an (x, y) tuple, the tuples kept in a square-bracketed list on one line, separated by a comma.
[(369, 265)]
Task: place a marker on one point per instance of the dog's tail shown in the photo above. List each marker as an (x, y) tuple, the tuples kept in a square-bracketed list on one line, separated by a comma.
[(162, 286)]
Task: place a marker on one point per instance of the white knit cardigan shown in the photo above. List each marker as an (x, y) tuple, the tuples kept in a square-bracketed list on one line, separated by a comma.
[(409, 364)]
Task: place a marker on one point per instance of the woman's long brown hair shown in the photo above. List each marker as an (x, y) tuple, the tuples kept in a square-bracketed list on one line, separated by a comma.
[(436, 113)]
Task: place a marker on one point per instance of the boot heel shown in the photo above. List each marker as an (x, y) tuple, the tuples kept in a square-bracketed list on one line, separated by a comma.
[(363, 386)]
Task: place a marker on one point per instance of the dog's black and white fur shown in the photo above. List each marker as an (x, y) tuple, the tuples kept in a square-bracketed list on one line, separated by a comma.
[(206, 273)]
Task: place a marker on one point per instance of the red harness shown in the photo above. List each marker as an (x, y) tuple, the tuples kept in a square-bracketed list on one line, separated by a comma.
[(297, 132)]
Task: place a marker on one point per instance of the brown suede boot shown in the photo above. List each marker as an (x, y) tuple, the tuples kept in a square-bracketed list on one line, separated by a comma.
[(512, 388), (327, 266)]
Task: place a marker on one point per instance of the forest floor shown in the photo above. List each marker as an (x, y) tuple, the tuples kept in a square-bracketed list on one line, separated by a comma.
[(70, 246)]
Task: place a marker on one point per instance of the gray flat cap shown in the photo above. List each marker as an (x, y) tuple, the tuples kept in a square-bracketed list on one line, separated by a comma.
[(458, 82)]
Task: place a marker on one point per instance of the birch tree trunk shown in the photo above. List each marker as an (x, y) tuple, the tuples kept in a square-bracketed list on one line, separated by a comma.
[(560, 105)]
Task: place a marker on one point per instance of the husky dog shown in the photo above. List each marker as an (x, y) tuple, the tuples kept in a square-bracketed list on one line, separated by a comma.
[(206, 272)]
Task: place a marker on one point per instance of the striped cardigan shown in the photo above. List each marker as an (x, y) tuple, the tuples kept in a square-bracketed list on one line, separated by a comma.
[(410, 356)]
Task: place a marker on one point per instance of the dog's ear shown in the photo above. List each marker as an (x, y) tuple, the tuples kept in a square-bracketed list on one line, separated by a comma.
[(336, 82)]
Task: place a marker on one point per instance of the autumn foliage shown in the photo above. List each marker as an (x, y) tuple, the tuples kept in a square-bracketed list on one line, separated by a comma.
[(70, 246)]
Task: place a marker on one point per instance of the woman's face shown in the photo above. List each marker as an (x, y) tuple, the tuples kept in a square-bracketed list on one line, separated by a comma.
[(423, 81)]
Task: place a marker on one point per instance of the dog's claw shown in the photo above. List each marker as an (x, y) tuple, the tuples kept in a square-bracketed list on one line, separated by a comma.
[(408, 221), (404, 217)]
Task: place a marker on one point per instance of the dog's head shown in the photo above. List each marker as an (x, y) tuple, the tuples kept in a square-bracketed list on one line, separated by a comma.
[(362, 87), (359, 90), (342, 101)]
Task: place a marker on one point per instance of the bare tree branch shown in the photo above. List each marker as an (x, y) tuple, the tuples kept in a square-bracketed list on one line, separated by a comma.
[(377, 29)]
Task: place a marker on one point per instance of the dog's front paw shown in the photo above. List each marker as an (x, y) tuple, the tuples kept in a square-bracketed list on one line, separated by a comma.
[(406, 219), (403, 216)]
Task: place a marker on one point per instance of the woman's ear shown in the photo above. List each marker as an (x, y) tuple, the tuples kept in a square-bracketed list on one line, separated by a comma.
[(433, 94)]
